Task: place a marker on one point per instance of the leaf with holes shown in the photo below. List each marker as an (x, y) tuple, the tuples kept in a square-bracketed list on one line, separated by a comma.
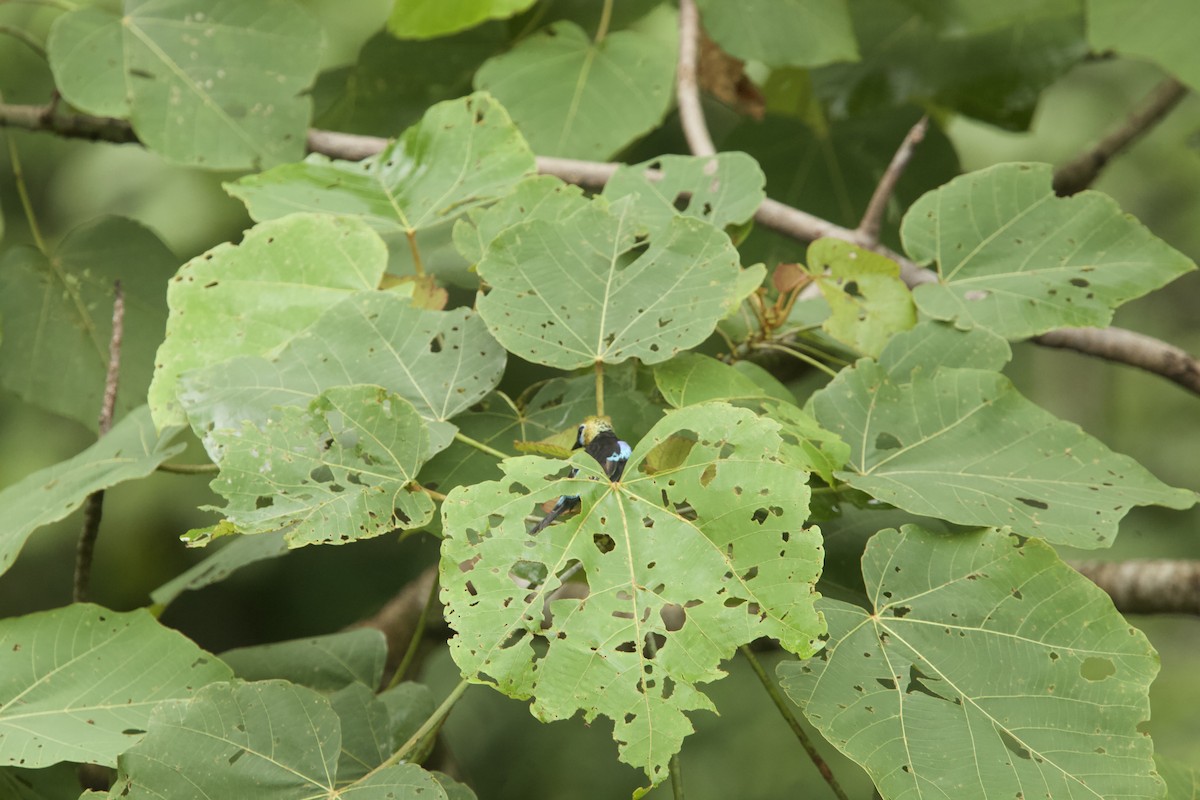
[(725, 189), (985, 668), (339, 470), (540, 197), (963, 445), (868, 302), (463, 153), (251, 298), (79, 683), (1015, 259), (591, 289), (273, 740), (699, 549), (442, 362), (592, 98)]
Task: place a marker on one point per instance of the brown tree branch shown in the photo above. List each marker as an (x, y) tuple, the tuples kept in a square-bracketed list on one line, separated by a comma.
[(1113, 344), (872, 219), (1147, 586), (1079, 173), (687, 86), (94, 505)]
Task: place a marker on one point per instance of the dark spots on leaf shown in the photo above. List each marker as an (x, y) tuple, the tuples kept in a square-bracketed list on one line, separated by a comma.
[(1014, 746), (1033, 503), (886, 441), (918, 683), (1097, 669), (1080, 282), (887, 683), (901, 611), (626, 647), (603, 542), (233, 759)]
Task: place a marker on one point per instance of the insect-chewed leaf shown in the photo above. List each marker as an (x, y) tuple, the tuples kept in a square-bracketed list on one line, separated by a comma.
[(682, 564), (1021, 677), (539, 197), (590, 289), (867, 300), (337, 471)]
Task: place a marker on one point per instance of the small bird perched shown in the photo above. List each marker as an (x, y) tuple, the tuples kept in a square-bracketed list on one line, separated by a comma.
[(597, 439)]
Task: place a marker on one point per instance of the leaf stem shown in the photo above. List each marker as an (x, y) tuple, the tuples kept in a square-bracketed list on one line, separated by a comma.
[(438, 496), (188, 469), (24, 38), (480, 446), (414, 643), (418, 266), (23, 193), (599, 388), (427, 727), (785, 711), (605, 20), (812, 362), (676, 773)]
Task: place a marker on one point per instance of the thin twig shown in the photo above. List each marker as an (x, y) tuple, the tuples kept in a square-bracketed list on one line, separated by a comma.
[(605, 20), (414, 642), (1149, 586), (1079, 173), (1110, 343), (189, 469), (23, 193), (785, 711), (812, 362), (599, 388), (94, 505), (480, 446), (427, 727), (872, 219), (687, 86)]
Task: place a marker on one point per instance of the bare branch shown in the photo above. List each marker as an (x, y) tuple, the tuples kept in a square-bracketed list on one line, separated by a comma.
[(872, 219), (1147, 586), (94, 505), (1113, 344), (687, 87), (1078, 174)]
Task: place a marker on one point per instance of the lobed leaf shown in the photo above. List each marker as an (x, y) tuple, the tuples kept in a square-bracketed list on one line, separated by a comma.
[(1162, 30), (867, 300), (222, 562), (323, 663), (965, 446), (931, 344), (707, 523), (542, 197), (1015, 259), (590, 289), (984, 668), (79, 683)]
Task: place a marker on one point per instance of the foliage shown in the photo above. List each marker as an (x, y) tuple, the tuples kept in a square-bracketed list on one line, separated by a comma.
[(404, 344)]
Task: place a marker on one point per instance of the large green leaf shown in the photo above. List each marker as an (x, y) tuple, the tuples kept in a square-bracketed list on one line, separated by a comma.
[(325, 663), (442, 362), (932, 344), (79, 683), (250, 299), (223, 561), (273, 741), (213, 84), (462, 153), (868, 302), (540, 197), (1015, 259), (574, 97), (965, 446), (129, 451), (1183, 783), (983, 669), (57, 316), (423, 19), (1163, 31), (738, 563), (802, 33), (591, 289), (342, 469), (914, 51), (692, 378), (725, 189)]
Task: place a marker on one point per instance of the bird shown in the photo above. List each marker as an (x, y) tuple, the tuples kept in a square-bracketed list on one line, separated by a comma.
[(597, 439)]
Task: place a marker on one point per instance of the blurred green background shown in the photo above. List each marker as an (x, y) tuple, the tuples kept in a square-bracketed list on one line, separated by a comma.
[(491, 741)]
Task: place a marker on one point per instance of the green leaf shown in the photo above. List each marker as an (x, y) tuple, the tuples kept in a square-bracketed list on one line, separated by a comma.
[(78, 683), (241, 551), (131, 450), (442, 362), (996, 76), (984, 669), (867, 300), (424, 19), (340, 470), (540, 197), (959, 18), (741, 545), (1163, 31), (725, 189), (366, 731), (801, 33), (1183, 783), (692, 378), (1013, 258), (86, 53), (252, 298), (965, 446), (931, 344), (324, 663), (57, 316), (273, 741), (592, 98), (806, 444), (463, 153), (590, 289)]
